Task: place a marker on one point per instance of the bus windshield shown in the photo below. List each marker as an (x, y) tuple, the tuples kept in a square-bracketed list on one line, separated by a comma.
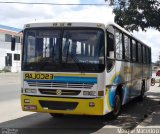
[(68, 50)]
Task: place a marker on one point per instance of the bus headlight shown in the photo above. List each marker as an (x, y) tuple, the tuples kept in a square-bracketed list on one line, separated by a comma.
[(89, 93), (28, 90)]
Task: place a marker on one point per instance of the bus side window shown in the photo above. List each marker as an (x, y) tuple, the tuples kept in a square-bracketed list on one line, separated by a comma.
[(134, 51), (118, 44), (127, 47), (110, 45), (150, 60), (139, 53), (144, 55), (147, 55)]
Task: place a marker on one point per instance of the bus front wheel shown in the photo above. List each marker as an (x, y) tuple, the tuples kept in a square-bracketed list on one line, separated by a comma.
[(117, 106)]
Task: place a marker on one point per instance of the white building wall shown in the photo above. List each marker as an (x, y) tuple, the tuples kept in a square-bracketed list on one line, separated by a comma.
[(2, 58), (2, 37), (16, 65), (5, 47)]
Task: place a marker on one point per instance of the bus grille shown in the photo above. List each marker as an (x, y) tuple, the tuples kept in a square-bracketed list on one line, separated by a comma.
[(57, 105), (60, 85), (62, 92)]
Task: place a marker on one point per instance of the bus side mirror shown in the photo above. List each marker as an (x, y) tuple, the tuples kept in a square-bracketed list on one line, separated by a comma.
[(13, 43)]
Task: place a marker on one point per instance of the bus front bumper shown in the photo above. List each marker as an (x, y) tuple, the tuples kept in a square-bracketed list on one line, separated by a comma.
[(63, 105)]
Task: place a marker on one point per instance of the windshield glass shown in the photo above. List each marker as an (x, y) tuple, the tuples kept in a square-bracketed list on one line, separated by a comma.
[(70, 50)]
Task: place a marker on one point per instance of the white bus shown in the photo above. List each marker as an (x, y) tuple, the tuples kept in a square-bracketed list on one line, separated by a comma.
[(82, 68)]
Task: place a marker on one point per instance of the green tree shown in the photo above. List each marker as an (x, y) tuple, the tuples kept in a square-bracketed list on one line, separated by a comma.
[(135, 14)]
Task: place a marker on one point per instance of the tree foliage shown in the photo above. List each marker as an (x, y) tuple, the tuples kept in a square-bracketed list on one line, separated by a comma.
[(135, 14)]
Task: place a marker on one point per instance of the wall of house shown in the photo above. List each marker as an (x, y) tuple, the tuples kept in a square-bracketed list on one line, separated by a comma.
[(5, 49)]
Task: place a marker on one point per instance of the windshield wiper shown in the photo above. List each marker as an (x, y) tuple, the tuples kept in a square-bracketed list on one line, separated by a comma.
[(76, 62), (73, 57)]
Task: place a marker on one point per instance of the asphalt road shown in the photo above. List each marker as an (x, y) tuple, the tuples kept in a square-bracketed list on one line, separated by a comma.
[(134, 115), (9, 86), (9, 92)]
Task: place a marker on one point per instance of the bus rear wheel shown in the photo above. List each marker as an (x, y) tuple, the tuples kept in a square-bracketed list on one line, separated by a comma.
[(117, 106), (56, 115), (141, 97)]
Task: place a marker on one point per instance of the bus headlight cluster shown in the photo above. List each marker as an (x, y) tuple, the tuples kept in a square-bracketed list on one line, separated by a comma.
[(89, 93), (28, 90)]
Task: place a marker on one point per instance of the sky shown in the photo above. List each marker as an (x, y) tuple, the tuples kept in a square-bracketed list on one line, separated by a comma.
[(17, 15)]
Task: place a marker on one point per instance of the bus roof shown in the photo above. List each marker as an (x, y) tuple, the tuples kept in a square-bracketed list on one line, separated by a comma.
[(65, 24)]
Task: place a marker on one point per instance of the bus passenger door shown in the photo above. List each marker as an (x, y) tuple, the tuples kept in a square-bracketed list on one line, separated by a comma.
[(136, 70), (127, 69), (110, 60), (110, 70)]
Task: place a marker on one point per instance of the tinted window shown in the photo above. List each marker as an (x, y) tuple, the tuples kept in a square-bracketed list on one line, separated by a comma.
[(127, 47), (110, 45), (144, 55), (68, 50), (134, 51), (147, 55), (118, 44), (139, 53), (85, 46)]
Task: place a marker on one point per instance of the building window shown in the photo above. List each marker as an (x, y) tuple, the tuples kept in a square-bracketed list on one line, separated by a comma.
[(17, 57), (17, 39), (8, 37)]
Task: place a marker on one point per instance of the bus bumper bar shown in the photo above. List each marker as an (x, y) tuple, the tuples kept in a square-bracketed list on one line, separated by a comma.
[(62, 105)]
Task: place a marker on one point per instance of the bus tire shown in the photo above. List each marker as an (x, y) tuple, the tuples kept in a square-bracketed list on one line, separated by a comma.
[(152, 81), (117, 107), (141, 97), (56, 115)]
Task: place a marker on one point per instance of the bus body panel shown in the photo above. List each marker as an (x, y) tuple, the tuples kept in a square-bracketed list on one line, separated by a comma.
[(102, 104), (123, 79), (57, 90), (147, 76), (136, 80)]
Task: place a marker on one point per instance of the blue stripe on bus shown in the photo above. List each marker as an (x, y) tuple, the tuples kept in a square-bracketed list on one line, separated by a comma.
[(112, 93), (118, 79), (62, 79), (76, 79)]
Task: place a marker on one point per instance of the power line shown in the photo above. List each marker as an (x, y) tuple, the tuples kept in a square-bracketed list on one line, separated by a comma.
[(54, 4)]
